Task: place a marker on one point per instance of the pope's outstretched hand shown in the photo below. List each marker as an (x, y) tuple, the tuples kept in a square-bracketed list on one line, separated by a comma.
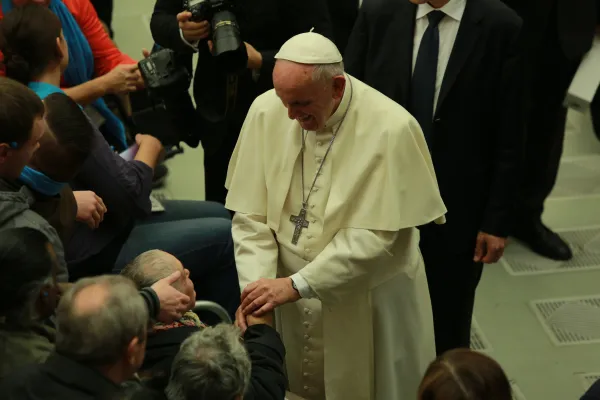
[(264, 295)]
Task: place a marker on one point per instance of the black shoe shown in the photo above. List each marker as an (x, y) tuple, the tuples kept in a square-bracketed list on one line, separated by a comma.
[(544, 242), (160, 174)]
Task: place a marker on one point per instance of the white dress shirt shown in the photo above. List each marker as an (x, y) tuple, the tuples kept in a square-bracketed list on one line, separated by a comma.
[(448, 28)]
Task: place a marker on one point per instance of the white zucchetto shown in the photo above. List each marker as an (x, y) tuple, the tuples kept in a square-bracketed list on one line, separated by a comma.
[(310, 48)]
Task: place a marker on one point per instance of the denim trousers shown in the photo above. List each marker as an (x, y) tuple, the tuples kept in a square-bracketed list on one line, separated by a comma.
[(198, 233)]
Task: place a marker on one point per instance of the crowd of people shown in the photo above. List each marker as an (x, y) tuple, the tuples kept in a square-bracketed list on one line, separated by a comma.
[(352, 196)]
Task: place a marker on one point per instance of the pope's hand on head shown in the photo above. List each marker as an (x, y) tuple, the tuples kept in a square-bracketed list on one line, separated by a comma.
[(265, 295), (192, 31)]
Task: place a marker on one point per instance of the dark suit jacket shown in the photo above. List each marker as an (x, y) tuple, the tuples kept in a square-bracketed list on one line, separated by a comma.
[(573, 21), (343, 15), (477, 131), (265, 24)]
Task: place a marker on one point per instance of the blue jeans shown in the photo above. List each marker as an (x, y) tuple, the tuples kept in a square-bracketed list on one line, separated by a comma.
[(198, 233)]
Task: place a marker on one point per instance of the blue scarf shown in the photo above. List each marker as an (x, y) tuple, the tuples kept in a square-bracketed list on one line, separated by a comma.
[(40, 183), (44, 89), (81, 63)]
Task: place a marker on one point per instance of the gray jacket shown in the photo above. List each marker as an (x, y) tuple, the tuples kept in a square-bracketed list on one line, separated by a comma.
[(15, 201)]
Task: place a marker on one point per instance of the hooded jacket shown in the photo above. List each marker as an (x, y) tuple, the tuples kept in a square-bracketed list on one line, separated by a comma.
[(15, 212)]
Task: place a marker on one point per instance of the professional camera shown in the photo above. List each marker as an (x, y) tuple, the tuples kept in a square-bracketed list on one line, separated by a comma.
[(228, 47), (165, 109)]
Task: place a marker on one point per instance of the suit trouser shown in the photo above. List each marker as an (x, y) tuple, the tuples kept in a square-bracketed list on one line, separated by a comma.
[(452, 278), (548, 78)]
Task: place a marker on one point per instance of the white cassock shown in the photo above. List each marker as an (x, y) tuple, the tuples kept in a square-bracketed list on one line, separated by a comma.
[(368, 334)]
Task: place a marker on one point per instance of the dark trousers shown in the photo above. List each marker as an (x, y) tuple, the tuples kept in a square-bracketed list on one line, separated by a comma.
[(452, 278), (548, 78), (199, 235), (218, 145)]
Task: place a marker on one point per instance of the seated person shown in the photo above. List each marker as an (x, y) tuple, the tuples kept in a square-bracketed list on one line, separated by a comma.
[(100, 343), (164, 340), (197, 233), (464, 374), (96, 67), (64, 147), (21, 127), (28, 297), (215, 364)]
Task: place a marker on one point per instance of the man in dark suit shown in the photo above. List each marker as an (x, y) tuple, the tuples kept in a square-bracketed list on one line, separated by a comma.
[(343, 15), (452, 64), (557, 33), (224, 98)]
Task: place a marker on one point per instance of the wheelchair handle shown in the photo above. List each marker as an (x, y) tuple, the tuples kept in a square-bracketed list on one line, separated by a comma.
[(214, 308)]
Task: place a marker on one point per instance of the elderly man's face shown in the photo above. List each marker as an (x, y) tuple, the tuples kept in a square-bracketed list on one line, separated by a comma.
[(309, 102), (186, 283)]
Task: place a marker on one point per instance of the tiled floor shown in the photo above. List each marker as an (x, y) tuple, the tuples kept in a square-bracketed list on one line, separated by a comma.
[(539, 319)]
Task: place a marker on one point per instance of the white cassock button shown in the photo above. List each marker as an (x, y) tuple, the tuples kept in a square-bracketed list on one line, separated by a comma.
[(319, 144), (306, 324), (312, 206), (305, 374), (305, 387), (309, 236), (306, 348), (305, 361), (316, 190), (314, 221), (318, 160), (307, 251), (306, 310), (306, 337)]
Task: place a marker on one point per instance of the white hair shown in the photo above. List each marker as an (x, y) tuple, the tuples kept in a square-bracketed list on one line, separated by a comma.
[(325, 72)]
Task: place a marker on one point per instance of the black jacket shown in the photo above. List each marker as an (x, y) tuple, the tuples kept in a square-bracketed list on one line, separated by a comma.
[(477, 135), (265, 24), (59, 378), (573, 21), (343, 15)]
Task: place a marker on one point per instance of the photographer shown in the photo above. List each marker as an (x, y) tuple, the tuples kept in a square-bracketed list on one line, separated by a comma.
[(222, 98)]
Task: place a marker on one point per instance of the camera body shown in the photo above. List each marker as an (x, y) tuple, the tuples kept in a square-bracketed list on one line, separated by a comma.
[(228, 47), (205, 9), (165, 109)]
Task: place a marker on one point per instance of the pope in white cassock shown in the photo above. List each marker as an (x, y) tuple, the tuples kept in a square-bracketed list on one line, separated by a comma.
[(328, 180)]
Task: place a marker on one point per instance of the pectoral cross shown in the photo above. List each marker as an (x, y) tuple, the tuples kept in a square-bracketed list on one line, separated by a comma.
[(300, 222)]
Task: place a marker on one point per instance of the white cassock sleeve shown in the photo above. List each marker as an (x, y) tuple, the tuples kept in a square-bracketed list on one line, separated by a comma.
[(256, 250), (346, 262)]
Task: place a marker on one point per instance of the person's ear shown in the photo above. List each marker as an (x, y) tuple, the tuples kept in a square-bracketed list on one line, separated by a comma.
[(60, 47), (339, 84), (4, 152), (47, 300), (136, 351)]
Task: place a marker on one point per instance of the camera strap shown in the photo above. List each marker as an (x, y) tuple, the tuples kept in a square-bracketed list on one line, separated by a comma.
[(232, 90)]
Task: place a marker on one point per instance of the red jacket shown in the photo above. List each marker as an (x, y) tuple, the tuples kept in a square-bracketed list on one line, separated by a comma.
[(106, 54)]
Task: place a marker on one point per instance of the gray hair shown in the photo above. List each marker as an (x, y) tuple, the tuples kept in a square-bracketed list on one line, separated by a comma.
[(150, 267), (325, 72), (211, 364), (99, 335)]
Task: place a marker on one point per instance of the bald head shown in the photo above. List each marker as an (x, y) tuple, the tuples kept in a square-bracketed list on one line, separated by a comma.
[(90, 299), (150, 267), (98, 318)]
